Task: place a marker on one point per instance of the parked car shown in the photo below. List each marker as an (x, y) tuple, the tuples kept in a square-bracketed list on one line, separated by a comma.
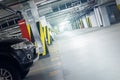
[(16, 58)]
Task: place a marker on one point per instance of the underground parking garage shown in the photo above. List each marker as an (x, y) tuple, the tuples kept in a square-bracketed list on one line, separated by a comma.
[(59, 39)]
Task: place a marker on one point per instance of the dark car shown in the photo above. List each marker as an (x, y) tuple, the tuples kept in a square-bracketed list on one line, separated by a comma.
[(16, 58)]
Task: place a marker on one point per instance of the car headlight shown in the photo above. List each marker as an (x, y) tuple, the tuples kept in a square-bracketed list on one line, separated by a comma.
[(21, 45)]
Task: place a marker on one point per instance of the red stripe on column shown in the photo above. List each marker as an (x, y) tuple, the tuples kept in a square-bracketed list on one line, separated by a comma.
[(23, 28)]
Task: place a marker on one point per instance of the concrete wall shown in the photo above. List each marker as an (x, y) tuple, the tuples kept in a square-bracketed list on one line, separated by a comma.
[(98, 18)]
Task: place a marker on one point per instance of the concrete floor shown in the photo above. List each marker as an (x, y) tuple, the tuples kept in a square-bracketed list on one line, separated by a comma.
[(49, 68), (92, 54)]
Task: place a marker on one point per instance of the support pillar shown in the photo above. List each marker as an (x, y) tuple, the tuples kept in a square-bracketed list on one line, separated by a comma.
[(104, 15)]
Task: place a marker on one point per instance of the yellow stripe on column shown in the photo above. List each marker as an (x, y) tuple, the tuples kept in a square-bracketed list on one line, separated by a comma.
[(118, 6), (28, 27), (89, 22), (42, 39), (48, 35), (45, 31)]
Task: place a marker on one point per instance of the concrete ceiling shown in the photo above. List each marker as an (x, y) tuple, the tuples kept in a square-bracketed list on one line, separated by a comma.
[(12, 2), (70, 14), (53, 18)]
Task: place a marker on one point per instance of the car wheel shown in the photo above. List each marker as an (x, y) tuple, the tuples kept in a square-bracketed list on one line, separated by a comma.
[(24, 74), (8, 72)]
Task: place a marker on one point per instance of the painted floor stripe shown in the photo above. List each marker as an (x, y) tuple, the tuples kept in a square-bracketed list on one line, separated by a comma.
[(46, 67)]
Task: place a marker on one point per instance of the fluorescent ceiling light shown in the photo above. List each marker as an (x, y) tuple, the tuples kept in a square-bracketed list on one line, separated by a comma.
[(43, 2)]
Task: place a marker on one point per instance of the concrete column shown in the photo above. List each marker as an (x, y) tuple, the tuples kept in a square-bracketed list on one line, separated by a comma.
[(98, 17), (34, 10), (81, 24), (104, 15), (118, 3), (78, 21), (93, 20), (84, 22), (74, 25), (77, 24), (29, 10)]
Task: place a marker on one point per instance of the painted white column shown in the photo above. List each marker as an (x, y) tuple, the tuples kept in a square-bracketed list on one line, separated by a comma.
[(104, 15), (34, 10), (98, 17), (29, 10), (93, 19), (84, 22), (118, 3)]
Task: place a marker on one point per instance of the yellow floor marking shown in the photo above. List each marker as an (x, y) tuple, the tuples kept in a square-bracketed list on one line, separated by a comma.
[(53, 73), (46, 67), (54, 58), (59, 63)]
